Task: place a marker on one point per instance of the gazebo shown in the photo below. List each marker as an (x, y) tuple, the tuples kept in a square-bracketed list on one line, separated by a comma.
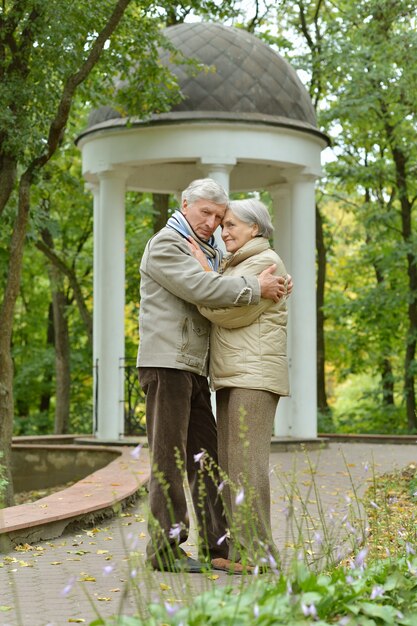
[(248, 123)]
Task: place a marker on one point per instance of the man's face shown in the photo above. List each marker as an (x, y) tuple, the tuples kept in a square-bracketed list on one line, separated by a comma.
[(204, 216)]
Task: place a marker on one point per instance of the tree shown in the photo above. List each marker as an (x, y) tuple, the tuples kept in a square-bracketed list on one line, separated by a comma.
[(304, 32), (48, 51), (376, 106)]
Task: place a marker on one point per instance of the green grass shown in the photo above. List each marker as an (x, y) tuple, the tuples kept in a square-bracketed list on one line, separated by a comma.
[(375, 584)]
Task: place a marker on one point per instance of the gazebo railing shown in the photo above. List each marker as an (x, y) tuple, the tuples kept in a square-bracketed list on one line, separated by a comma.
[(134, 399), (134, 402)]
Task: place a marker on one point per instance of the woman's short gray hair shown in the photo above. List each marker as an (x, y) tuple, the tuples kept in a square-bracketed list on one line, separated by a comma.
[(206, 189), (253, 211)]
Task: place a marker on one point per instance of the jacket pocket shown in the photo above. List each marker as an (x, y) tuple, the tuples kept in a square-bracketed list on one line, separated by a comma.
[(193, 348)]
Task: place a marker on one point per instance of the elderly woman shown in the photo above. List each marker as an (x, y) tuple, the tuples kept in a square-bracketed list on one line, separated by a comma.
[(249, 372)]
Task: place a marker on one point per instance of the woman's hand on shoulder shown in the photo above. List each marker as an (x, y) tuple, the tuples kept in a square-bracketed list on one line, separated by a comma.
[(198, 254)]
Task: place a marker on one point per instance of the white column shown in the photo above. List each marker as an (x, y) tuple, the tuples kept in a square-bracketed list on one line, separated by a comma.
[(303, 310), (96, 317), (281, 200), (220, 172), (111, 300)]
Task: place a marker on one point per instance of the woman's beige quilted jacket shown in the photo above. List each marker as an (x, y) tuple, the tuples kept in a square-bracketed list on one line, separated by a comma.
[(248, 345)]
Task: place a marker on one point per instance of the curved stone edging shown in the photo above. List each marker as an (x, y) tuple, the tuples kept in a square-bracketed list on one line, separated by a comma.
[(96, 495)]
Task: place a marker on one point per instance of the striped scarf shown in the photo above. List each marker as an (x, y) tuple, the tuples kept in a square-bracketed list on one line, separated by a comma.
[(213, 254)]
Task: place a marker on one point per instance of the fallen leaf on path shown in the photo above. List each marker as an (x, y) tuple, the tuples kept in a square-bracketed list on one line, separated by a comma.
[(164, 587), (24, 547)]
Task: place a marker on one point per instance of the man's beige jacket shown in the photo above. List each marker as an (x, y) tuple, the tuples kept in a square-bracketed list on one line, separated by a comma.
[(172, 332)]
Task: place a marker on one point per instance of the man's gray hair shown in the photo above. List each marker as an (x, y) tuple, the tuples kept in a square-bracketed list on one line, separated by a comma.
[(205, 189), (253, 211)]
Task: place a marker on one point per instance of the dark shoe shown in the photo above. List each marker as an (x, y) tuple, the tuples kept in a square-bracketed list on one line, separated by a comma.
[(231, 567), (185, 565)]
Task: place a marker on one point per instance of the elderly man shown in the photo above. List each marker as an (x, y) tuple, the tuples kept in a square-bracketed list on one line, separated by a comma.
[(172, 362)]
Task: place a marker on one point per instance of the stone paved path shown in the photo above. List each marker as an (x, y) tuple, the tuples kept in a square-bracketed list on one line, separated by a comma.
[(87, 574)]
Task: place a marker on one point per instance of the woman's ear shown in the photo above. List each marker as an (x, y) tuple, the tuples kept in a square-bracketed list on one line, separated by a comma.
[(255, 230)]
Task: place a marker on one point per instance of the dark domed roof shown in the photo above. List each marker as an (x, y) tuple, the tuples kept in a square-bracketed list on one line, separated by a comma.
[(249, 76), (247, 79)]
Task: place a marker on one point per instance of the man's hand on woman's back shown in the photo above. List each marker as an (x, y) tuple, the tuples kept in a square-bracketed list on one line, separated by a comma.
[(274, 287)]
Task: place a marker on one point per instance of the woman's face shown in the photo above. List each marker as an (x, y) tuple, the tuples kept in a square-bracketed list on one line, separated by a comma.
[(236, 233)]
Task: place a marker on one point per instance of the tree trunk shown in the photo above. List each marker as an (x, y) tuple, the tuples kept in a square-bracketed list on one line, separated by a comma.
[(6, 415), (387, 383), (45, 400), (57, 262), (160, 204), (62, 354), (387, 376), (400, 160), (7, 173), (62, 344), (6, 328), (321, 279), (7, 180), (410, 354)]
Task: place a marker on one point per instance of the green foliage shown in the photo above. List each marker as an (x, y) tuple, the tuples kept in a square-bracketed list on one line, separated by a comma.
[(371, 119), (359, 409), (325, 422), (384, 593)]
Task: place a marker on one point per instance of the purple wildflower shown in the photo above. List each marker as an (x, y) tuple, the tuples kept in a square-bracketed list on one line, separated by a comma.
[(377, 592), (272, 562), (135, 453), (175, 531), (240, 497), (309, 610), (68, 587), (221, 539), (171, 609), (198, 457), (318, 538), (360, 558)]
